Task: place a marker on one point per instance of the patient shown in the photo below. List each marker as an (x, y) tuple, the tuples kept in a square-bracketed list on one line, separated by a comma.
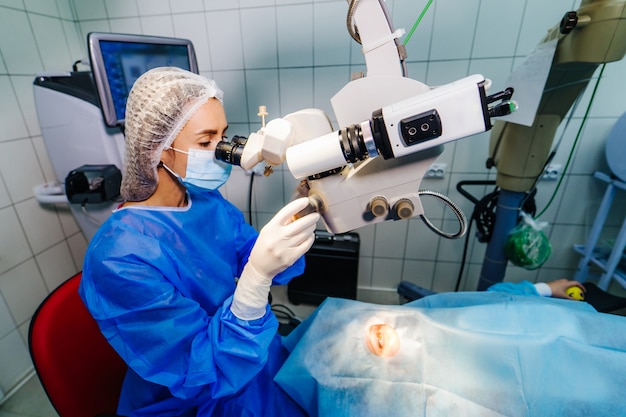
[(458, 354)]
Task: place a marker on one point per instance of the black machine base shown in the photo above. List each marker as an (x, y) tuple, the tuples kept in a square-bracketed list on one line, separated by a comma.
[(331, 270)]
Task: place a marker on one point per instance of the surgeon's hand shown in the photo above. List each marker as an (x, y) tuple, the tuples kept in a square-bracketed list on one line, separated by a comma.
[(281, 242)]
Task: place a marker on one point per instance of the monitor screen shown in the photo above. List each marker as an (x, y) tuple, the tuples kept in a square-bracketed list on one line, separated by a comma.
[(117, 60)]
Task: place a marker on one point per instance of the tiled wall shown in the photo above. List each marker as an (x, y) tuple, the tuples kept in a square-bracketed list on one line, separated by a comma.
[(39, 247), (287, 55)]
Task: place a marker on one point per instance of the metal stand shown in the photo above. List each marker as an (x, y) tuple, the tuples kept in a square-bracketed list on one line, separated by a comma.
[(591, 253)]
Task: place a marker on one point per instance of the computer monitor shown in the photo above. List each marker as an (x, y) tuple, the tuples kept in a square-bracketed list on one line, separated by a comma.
[(117, 60)]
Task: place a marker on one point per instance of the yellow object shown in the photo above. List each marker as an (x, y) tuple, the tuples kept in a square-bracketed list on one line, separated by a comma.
[(576, 293)]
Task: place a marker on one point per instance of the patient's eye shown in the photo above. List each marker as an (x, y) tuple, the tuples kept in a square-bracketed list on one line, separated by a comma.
[(382, 340)]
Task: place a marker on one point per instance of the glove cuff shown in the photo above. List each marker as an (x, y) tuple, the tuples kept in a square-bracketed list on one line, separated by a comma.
[(251, 294)]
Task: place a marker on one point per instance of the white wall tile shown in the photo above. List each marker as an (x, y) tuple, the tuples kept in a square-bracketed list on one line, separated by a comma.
[(446, 275), (365, 272), (193, 27), (56, 265), (93, 26), (90, 9), (157, 25), (23, 289), (518, 274), (13, 245), (19, 49), (220, 4), (262, 90), (23, 86), (579, 199), (186, 6), (48, 8), (233, 83), (562, 239), (470, 278), (295, 35), (130, 25), (3, 67), (77, 43), (153, 7), (20, 168), (496, 35), (42, 157), (40, 223), (391, 239), (7, 324), (67, 220), (478, 249), (225, 39), (440, 73), (12, 371), (11, 119), (417, 71), (65, 10), (387, 273), (331, 42), (78, 248), (453, 29), (296, 89), (421, 243), (268, 193), (14, 4), (121, 8), (608, 101), (470, 155), (367, 237), (4, 195), (259, 40), (285, 2), (549, 274), (419, 272)]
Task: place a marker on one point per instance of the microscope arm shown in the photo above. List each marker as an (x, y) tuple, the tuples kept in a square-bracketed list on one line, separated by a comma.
[(594, 34)]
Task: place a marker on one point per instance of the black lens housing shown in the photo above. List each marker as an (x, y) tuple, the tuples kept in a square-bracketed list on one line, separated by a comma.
[(231, 151)]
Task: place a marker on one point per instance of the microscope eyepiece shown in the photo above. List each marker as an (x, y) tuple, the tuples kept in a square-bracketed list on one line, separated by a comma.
[(231, 151)]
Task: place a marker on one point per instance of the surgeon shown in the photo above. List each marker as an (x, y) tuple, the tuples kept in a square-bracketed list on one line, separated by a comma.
[(176, 279)]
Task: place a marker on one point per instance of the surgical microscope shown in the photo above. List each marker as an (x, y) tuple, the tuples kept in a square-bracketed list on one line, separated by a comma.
[(393, 129)]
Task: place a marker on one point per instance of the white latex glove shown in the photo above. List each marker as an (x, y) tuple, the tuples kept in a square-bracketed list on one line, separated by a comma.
[(281, 242)]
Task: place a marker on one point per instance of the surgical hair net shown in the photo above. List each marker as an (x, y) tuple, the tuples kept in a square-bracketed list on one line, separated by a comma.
[(159, 105)]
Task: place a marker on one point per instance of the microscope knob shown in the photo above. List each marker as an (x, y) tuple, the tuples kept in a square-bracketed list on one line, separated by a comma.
[(379, 206), (568, 23), (404, 208)]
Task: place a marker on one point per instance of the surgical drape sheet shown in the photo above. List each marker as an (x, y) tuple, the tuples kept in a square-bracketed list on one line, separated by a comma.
[(461, 354), (159, 282)]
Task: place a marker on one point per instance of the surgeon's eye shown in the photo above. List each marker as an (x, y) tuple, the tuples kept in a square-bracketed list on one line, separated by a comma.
[(382, 340)]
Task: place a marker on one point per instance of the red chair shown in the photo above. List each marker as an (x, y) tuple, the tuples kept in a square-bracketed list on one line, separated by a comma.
[(80, 372)]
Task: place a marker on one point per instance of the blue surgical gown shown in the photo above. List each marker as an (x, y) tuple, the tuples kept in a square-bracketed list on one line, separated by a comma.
[(159, 282)]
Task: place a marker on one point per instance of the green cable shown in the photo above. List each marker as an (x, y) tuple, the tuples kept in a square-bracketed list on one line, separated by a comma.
[(417, 22), (571, 153)]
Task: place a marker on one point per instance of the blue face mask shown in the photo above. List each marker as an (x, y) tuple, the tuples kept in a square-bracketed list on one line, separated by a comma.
[(203, 170)]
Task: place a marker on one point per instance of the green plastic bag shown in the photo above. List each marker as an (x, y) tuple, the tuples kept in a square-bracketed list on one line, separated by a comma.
[(527, 246)]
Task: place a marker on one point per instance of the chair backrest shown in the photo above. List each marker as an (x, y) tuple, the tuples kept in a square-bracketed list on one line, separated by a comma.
[(80, 372)]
